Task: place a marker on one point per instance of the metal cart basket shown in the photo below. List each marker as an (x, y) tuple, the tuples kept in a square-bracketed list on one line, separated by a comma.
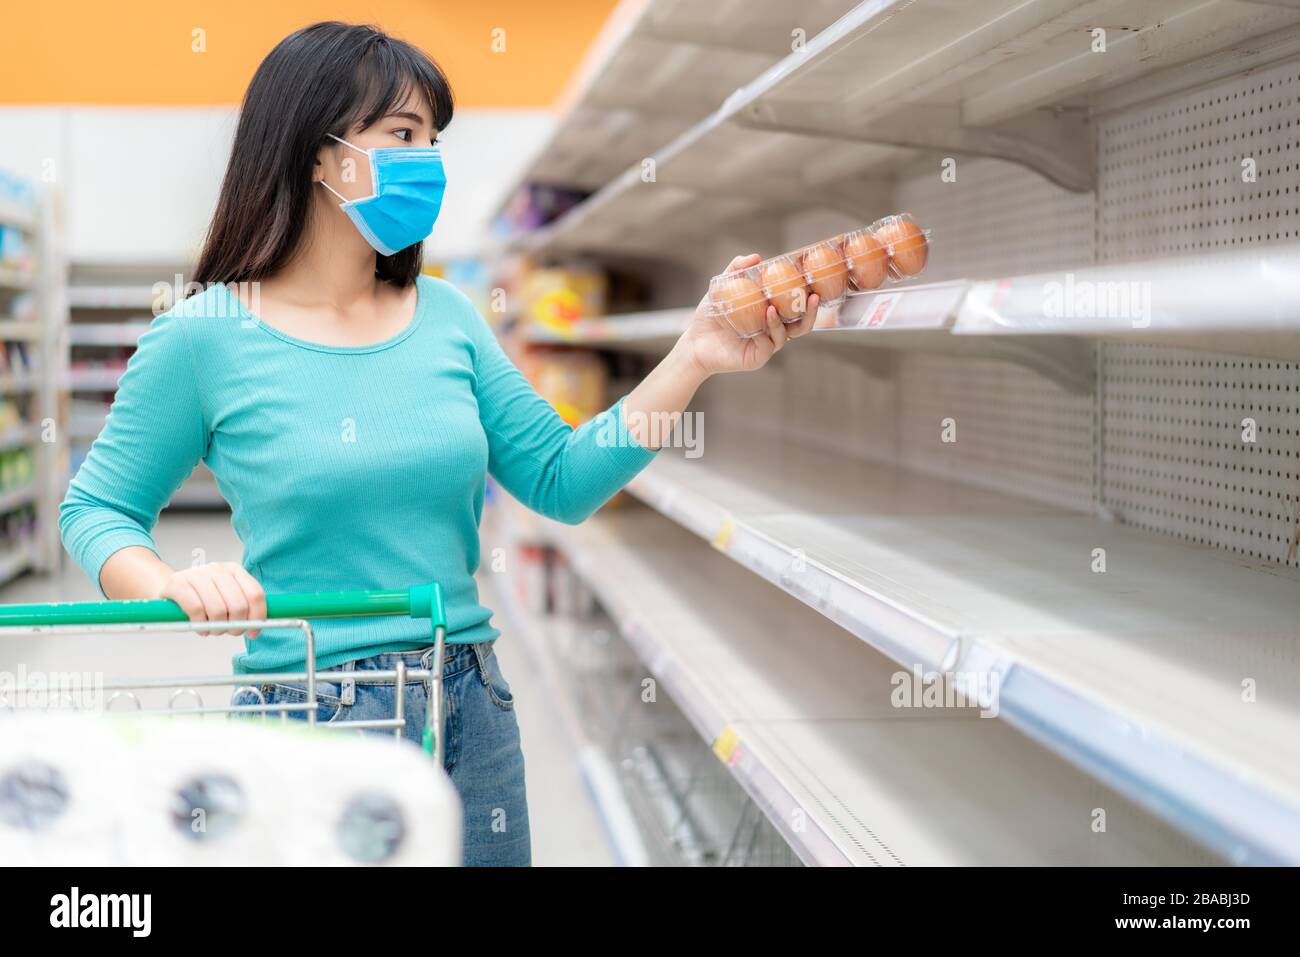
[(283, 611)]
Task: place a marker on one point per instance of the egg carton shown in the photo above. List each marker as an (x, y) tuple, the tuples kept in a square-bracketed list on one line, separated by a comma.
[(892, 249)]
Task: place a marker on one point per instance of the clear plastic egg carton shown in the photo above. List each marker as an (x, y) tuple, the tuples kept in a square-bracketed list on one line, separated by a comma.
[(892, 249)]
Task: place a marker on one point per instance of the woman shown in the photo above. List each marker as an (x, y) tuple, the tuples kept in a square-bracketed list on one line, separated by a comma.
[(351, 408)]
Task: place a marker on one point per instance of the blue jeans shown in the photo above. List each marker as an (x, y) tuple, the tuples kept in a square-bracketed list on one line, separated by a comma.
[(481, 738)]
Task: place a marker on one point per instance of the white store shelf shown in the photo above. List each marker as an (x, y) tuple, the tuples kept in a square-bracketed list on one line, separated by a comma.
[(12, 383), (1135, 674), (94, 380), (659, 66), (19, 330), (18, 280), (801, 714), (112, 297), (106, 333), (17, 498), (893, 81), (660, 326), (1242, 301)]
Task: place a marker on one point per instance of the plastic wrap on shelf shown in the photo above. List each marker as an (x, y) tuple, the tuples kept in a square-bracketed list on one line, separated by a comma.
[(892, 249)]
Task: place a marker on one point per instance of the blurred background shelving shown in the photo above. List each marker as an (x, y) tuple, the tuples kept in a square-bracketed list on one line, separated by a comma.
[(110, 304), (29, 304)]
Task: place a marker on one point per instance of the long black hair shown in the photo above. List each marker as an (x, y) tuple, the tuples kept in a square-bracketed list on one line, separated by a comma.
[(324, 79)]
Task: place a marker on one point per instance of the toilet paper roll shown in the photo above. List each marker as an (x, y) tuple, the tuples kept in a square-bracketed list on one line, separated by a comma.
[(62, 784), (371, 801), (205, 792)]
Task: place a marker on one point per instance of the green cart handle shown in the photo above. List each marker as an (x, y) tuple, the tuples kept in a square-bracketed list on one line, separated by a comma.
[(419, 601)]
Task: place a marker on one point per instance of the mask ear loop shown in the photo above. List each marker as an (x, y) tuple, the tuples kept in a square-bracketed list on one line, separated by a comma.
[(343, 199)]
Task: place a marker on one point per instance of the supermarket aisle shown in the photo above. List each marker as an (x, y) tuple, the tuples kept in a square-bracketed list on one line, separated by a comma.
[(181, 539), (565, 828)]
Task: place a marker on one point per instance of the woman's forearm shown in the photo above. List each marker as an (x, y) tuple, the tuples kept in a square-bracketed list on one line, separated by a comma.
[(653, 409), (134, 572)]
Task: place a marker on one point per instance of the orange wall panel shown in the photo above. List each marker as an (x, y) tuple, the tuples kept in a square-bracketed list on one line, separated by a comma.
[(141, 52)]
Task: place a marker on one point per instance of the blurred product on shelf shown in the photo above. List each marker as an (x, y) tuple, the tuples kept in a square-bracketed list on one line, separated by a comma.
[(894, 248), (17, 528), (16, 469), (21, 309), (14, 251), (534, 205), (16, 191), (15, 359), (573, 381), (556, 299), (10, 417)]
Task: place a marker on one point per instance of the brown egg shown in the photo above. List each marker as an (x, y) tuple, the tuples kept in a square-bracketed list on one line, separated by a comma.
[(785, 287), (866, 258), (824, 266), (908, 246), (740, 301)]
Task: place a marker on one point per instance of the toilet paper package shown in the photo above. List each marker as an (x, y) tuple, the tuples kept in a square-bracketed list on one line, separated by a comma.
[(96, 789)]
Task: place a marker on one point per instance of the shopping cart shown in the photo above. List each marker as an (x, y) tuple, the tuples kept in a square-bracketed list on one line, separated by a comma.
[(283, 611)]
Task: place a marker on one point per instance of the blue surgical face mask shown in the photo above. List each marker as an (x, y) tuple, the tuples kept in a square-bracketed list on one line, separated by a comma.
[(408, 184)]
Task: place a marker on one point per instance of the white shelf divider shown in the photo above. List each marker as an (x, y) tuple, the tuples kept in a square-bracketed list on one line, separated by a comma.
[(1135, 674)]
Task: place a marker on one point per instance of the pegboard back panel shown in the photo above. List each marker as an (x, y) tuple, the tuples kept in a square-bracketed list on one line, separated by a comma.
[(827, 399), (1214, 168), (998, 219), (1203, 447), (1011, 429), (1161, 446), (841, 402)]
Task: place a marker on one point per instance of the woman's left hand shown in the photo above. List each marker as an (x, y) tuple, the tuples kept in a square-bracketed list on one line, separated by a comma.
[(715, 347)]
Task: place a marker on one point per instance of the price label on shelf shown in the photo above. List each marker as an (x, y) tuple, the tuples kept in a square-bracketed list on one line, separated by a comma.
[(727, 745), (723, 538), (878, 313)]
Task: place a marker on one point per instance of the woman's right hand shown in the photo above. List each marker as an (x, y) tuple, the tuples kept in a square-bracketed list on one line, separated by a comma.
[(218, 591)]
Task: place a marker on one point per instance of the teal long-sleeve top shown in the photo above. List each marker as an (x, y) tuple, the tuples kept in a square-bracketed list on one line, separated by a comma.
[(345, 467)]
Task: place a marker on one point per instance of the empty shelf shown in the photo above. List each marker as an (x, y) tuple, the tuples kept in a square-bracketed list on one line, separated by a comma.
[(1172, 675), (801, 712)]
